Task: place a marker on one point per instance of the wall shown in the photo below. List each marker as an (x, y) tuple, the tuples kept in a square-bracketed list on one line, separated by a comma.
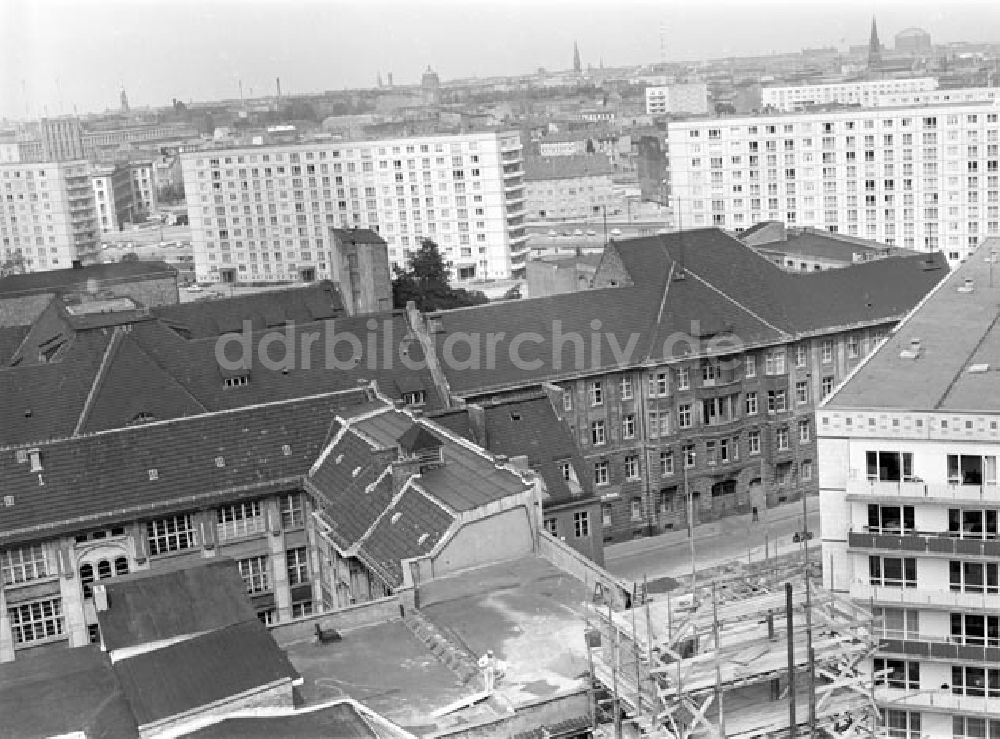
[(23, 311), (363, 614), (572, 562), (528, 717), (499, 537)]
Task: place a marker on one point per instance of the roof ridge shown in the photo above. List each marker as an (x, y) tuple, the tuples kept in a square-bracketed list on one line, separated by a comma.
[(663, 303), (102, 371), (962, 367), (167, 372), (392, 504), (737, 303)]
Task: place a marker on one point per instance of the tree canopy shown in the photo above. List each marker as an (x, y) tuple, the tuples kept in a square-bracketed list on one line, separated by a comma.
[(425, 282)]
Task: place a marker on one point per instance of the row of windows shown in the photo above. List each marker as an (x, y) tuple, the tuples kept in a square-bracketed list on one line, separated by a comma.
[(926, 122), (963, 576), (961, 469), (965, 680)]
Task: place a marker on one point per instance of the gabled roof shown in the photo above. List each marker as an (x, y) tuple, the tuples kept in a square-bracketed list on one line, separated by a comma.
[(417, 438), (61, 280), (676, 295), (196, 672), (145, 606), (224, 455)]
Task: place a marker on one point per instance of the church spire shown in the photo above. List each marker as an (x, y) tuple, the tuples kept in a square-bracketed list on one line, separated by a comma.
[(874, 49), (577, 66)]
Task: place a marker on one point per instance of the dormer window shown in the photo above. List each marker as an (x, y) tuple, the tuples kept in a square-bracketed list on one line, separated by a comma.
[(35, 457), (142, 417), (420, 447), (238, 381), (415, 398)]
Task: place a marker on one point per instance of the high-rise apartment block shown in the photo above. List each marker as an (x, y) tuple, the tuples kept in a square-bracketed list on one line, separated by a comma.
[(61, 139), (47, 217), (691, 98), (265, 212), (865, 93), (924, 178), (114, 197), (144, 185), (910, 503)]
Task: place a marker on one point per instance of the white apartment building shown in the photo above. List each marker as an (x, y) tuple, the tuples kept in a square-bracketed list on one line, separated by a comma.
[(924, 178), (937, 97), (865, 93), (690, 98), (144, 186), (47, 214), (909, 502), (265, 212)]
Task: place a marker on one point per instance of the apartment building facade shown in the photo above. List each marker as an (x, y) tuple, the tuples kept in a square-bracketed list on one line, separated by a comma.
[(690, 98), (47, 216), (923, 178), (113, 197), (866, 93), (566, 187), (264, 213), (144, 186), (909, 505)]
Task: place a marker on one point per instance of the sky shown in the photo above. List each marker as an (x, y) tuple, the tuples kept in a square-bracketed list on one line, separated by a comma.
[(57, 55)]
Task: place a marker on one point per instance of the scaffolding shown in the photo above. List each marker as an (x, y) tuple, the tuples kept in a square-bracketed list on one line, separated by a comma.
[(757, 651)]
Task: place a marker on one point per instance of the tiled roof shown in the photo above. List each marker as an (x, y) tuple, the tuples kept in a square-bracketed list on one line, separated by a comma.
[(193, 673), (956, 329), (10, 339), (60, 692), (207, 318), (143, 606), (59, 280), (105, 476), (566, 167), (681, 290)]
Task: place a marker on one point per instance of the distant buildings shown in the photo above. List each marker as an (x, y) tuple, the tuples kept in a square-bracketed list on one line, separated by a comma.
[(565, 187), (61, 139), (920, 177), (915, 41), (430, 85), (910, 502), (690, 98), (144, 186), (114, 197), (864, 93), (264, 213), (809, 249), (365, 281), (49, 219), (938, 97)]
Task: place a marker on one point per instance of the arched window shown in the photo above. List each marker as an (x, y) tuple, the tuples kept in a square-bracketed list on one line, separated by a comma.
[(86, 578), (121, 566), (103, 569)]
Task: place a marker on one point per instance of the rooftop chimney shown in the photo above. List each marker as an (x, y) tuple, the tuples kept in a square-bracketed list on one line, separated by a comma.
[(77, 264)]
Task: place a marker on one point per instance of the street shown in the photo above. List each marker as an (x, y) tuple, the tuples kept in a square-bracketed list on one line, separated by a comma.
[(668, 555)]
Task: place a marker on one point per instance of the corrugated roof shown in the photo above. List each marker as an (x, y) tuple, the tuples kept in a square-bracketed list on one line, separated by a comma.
[(198, 671)]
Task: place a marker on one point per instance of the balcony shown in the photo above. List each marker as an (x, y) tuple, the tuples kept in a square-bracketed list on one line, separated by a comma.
[(939, 648), (938, 700), (917, 489), (937, 599), (926, 542)]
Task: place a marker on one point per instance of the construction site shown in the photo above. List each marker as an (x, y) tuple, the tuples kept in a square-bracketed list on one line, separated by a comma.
[(751, 650)]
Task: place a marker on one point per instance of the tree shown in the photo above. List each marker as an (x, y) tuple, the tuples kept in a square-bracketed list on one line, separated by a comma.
[(425, 282)]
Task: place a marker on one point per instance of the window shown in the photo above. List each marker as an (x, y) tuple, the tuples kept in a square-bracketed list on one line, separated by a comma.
[(299, 610), (889, 519), (567, 398), (415, 397), (774, 363), (781, 437), (972, 524), (753, 442), (292, 514), (804, 433), (975, 629), (802, 392), (970, 727), (36, 621), (552, 526), (801, 355), (658, 385), (776, 401), (23, 564), (626, 388), (666, 463), (897, 673), (826, 352), (826, 387), (750, 365), (683, 378), (752, 403), (902, 724), (684, 415), (581, 524), (297, 562), (600, 473), (853, 347), (254, 573), (975, 681), (636, 509), (689, 456), (659, 423), (598, 435), (973, 577), (631, 467), (964, 469), (606, 514), (267, 616), (596, 393), (897, 623), (240, 519), (807, 470), (566, 471), (889, 466), (628, 426), (170, 534), (892, 572)]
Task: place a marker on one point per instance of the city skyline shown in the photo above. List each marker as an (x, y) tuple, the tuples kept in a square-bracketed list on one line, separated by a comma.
[(204, 51)]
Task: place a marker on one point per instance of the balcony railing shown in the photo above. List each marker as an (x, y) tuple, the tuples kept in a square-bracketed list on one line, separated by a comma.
[(920, 489), (926, 542), (940, 647), (862, 590), (938, 699)]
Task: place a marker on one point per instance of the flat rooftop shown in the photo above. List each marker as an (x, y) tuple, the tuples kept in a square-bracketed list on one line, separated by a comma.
[(529, 612), (925, 363)]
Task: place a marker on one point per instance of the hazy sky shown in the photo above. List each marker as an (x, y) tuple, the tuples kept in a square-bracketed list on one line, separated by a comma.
[(56, 54)]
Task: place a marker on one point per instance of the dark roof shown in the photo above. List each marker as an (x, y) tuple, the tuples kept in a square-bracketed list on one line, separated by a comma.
[(566, 167), (358, 235), (956, 329), (104, 476), (10, 339), (417, 438), (341, 720), (729, 296), (195, 672), (143, 606), (205, 318), (61, 280), (824, 245), (62, 691), (412, 526)]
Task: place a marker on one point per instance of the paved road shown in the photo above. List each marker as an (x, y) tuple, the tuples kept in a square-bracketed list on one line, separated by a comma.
[(722, 541)]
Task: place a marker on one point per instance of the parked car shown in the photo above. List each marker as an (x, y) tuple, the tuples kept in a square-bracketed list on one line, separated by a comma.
[(616, 232), (196, 288)]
